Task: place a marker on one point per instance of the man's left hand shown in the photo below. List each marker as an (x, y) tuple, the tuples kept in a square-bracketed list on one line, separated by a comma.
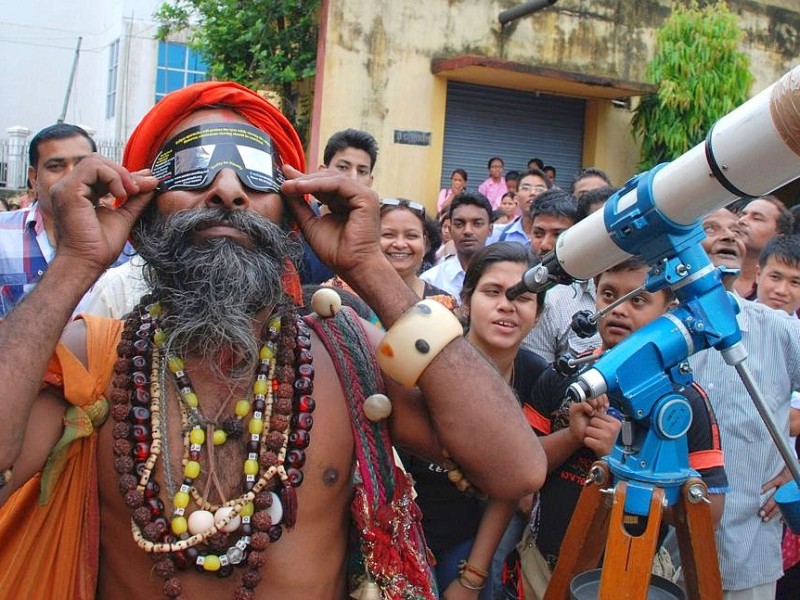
[(346, 237), (770, 508)]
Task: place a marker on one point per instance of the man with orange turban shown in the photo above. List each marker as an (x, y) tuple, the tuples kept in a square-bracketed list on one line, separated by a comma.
[(214, 442)]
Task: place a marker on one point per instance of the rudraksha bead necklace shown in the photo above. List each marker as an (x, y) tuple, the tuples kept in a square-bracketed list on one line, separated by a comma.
[(277, 436)]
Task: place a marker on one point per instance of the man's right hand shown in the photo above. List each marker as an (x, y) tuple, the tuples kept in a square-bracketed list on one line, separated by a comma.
[(90, 233)]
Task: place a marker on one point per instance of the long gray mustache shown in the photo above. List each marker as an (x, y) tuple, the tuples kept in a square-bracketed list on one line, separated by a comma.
[(213, 288)]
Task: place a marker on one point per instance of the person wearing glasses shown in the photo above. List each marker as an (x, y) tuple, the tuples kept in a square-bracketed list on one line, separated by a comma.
[(174, 454), (494, 186), (404, 243), (531, 186)]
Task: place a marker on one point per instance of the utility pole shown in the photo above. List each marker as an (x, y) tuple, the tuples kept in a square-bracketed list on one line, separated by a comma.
[(71, 79)]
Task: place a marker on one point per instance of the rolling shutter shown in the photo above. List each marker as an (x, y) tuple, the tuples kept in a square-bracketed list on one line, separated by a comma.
[(482, 122)]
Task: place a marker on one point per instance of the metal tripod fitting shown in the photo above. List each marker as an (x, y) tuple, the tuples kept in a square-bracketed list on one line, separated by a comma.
[(597, 475), (697, 493)]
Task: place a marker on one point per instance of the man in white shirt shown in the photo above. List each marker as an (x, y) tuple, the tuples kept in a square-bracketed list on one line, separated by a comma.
[(470, 225)]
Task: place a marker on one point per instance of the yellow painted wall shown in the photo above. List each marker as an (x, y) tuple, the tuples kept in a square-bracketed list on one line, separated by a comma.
[(377, 68)]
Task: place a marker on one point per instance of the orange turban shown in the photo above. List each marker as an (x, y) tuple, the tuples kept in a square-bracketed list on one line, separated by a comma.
[(148, 137), (151, 134)]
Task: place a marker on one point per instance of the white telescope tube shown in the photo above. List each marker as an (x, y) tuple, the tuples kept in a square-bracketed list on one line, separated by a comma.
[(766, 127)]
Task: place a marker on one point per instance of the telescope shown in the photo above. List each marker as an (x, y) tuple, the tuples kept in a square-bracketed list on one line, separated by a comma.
[(748, 153)]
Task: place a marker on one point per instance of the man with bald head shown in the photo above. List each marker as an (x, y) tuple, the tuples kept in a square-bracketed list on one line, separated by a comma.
[(175, 452)]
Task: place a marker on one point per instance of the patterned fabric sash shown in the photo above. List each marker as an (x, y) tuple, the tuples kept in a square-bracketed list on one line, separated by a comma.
[(391, 548)]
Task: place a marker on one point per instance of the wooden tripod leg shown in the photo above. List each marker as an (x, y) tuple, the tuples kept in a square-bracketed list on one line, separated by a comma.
[(628, 559), (695, 532), (583, 543)]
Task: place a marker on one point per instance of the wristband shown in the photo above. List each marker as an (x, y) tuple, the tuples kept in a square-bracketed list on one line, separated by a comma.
[(416, 339), (465, 567), (464, 583)]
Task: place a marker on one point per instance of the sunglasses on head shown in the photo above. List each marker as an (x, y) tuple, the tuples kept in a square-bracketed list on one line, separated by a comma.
[(193, 158), (403, 203)]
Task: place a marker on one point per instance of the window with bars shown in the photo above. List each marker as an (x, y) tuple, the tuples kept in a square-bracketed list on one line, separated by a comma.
[(178, 66)]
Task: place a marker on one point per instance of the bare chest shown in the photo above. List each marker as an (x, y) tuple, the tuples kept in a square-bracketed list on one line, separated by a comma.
[(318, 530)]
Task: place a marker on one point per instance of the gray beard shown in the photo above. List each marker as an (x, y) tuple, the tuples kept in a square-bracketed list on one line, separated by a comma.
[(212, 289)]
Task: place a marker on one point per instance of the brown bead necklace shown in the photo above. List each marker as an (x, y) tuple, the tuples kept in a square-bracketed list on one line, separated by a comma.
[(214, 538)]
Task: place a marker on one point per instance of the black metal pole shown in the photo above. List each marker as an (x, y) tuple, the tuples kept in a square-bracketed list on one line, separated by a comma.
[(523, 9)]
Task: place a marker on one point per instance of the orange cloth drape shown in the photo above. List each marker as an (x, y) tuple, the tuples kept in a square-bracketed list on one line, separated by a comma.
[(49, 529)]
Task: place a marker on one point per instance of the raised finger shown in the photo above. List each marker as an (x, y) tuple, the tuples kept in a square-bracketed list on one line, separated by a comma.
[(132, 208), (340, 193)]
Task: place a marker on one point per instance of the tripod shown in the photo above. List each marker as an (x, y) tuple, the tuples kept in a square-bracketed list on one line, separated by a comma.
[(600, 515), (641, 374)]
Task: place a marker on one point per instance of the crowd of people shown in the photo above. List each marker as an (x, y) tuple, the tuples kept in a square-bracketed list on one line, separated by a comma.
[(227, 375)]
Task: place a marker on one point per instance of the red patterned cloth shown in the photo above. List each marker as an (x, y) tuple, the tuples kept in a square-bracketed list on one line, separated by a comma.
[(790, 548)]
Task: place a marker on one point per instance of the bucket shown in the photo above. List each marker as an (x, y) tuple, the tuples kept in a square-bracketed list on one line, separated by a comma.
[(586, 586)]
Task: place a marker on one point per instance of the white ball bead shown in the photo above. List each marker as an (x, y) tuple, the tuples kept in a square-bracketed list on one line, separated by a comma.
[(369, 590), (326, 302), (223, 513), (200, 521), (275, 510), (377, 407)]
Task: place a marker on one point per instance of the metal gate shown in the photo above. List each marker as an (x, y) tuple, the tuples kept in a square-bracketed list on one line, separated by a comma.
[(482, 122)]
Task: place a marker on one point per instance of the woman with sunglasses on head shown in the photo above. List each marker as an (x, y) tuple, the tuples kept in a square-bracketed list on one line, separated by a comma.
[(404, 242)]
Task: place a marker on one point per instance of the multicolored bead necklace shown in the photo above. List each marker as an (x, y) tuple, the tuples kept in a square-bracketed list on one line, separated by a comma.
[(279, 421)]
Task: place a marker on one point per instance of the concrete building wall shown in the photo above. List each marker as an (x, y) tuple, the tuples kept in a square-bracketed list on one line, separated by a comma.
[(375, 70)]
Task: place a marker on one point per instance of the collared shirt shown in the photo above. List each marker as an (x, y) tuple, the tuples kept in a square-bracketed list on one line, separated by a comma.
[(749, 549), (493, 191), (552, 335), (512, 232), (25, 253), (447, 275)]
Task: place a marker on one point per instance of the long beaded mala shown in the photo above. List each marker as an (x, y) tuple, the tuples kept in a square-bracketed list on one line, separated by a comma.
[(277, 434)]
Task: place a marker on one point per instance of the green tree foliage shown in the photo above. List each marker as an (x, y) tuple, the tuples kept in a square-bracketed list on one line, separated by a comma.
[(701, 76), (261, 44)]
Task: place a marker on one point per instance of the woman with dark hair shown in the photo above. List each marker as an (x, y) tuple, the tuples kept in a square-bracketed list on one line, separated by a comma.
[(494, 186), (458, 183), (462, 530), (433, 241), (405, 243)]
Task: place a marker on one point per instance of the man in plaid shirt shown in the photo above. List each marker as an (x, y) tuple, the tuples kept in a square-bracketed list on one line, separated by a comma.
[(28, 237)]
